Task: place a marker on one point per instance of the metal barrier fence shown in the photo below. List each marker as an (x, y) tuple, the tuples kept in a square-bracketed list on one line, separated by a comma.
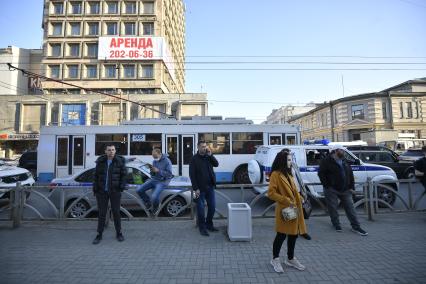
[(179, 203)]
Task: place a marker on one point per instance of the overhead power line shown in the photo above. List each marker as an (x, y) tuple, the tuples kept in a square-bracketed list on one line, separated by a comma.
[(29, 73)]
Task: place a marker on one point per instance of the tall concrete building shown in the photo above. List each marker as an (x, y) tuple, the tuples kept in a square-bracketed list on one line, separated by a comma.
[(132, 49)]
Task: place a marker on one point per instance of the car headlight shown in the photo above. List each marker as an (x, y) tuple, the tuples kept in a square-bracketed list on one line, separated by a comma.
[(29, 175)]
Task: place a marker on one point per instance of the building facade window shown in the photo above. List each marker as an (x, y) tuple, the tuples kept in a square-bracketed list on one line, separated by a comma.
[(148, 7), (384, 110), (112, 7), (33, 116), (94, 7), (130, 28), (73, 49), (409, 110), (148, 28), (56, 29), (129, 71), (73, 114), (110, 71), (335, 116), (147, 71), (55, 50), (91, 49), (111, 29), (130, 7), (91, 71), (54, 71), (93, 28), (72, 71), (75, 29), (357, 111), (58, 8), (416, 110), (76, 8), (401, 109)]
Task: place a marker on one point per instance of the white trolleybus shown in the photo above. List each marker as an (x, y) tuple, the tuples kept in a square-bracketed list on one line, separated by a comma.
[(66, 150)]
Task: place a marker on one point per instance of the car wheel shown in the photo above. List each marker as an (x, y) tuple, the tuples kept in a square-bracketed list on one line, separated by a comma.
[(241, 175), (385, 194), (410, 174), (173, 206), (79, 209)]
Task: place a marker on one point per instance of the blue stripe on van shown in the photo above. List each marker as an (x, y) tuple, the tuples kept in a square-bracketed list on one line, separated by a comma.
[(223, 177), (45, 177), (316, 168)]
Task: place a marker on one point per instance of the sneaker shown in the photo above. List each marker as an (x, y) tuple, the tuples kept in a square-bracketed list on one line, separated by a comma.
[(294, 263), (97, 240), (338, 228), (120, 237), (277, 265), (204, 232), (359, 231)]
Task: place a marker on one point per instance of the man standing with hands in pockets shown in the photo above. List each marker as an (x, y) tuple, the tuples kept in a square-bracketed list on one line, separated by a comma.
[(203, 182)]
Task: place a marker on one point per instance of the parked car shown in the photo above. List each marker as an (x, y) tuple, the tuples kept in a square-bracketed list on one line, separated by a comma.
[(137, 173), (10, 175), (373, 148), (403, 169), (411, 155), (28, 160)]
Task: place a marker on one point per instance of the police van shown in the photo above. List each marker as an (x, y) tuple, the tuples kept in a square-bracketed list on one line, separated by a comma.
[(308, 157)]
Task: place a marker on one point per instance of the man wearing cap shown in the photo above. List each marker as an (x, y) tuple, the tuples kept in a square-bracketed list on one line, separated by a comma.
[(338, 180), (420, 168)]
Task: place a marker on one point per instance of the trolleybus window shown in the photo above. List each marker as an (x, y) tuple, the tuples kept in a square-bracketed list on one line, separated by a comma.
[(119, 141), (217, 142), (246, 142), (143, 144)]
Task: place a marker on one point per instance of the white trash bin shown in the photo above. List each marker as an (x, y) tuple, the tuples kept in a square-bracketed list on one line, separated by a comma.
[(239, 222)]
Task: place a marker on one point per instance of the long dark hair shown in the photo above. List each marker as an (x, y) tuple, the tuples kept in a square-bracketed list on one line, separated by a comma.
[(280, 163)]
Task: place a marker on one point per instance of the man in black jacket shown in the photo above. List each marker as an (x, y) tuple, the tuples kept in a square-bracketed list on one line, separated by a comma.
[(337, 179), (203, 182), (109, 182)]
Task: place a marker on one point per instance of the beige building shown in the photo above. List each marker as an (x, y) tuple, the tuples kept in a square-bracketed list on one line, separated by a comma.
[(399, 109), (284, 113), (132, 49)]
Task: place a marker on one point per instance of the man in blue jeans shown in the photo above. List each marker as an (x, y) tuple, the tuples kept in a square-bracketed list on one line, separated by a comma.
[(161, 174), (203, 182)]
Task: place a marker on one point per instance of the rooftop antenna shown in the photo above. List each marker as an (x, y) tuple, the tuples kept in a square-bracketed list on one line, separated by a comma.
[(343, 87)]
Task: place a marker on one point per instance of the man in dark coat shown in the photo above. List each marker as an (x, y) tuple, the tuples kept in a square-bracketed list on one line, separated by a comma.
[(338, 180), (420, 168), (109, 182), (203, 182)]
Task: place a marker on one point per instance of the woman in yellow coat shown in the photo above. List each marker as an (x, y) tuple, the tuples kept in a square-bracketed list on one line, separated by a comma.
[(283, 191)]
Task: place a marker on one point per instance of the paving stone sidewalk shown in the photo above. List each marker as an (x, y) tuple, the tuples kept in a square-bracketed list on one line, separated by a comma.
[(174, 252)]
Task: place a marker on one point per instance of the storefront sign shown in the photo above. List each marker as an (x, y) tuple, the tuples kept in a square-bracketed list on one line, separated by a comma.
[(6, 136)]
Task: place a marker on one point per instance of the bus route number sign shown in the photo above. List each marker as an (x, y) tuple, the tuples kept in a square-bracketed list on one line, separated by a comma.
[(138, 138)]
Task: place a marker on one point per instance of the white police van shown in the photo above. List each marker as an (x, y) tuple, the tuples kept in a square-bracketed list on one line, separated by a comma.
[(308, 157)]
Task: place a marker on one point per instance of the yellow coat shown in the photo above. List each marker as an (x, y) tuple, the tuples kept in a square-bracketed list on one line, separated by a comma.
[(285, 193)]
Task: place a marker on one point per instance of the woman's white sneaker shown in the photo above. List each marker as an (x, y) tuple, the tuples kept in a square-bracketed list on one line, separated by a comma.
[(277, 265), (294, 263)]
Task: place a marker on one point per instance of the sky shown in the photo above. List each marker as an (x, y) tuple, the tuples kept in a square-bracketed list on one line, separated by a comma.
[(243, 53)]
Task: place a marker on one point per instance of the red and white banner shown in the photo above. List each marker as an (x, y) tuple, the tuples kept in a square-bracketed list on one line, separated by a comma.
[(135, 48)]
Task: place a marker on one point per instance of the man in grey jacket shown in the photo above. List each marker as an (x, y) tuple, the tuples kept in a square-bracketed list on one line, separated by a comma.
[(161, 174)]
